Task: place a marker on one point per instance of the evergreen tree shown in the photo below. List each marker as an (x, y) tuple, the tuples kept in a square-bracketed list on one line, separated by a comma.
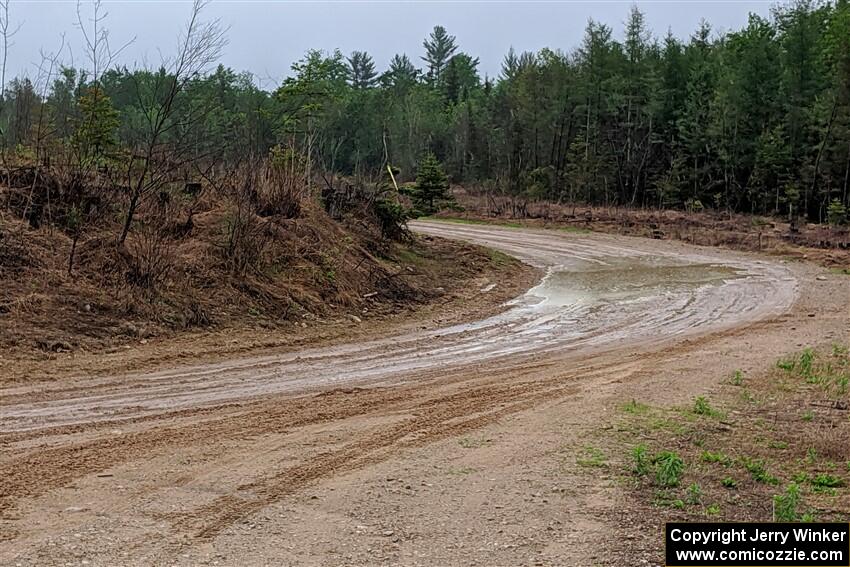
[(401, 74), (431, 191), (460, 77), (95, 136), (439, 48), (753, 120), (361, 70), (510, 65), (693, 122)]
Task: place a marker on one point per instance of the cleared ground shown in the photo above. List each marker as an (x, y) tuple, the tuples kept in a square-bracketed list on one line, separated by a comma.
[(453, 446)]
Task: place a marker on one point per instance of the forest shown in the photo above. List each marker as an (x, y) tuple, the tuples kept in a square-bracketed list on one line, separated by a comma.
[(755, 120)]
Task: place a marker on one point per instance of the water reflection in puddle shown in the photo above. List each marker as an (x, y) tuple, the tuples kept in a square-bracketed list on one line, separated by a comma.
[(562, 288)]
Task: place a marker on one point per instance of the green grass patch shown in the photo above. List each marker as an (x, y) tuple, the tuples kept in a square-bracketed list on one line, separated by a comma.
[(636, 408), (719, 457), (737, 378), (499, 258), (758, 471), (786, 506), (702, 407), (694, 494), (592, 458), (824, 482), (641, 460), (409, 256)]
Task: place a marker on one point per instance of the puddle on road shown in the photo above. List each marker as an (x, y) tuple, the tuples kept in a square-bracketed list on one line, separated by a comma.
[(625, 282)]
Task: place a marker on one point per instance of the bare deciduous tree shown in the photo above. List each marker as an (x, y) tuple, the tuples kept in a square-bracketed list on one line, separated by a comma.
[(164, 147), (6, 34)]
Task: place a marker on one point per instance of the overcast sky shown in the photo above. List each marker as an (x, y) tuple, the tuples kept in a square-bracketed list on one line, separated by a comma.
[(266, 37)]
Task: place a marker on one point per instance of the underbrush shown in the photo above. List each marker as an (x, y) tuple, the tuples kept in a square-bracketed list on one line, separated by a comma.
[(772, 448)]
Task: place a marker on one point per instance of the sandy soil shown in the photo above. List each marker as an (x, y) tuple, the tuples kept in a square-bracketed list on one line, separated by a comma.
[(464, 445)]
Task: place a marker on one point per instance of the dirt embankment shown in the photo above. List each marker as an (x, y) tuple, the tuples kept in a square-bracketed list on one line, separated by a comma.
[(446, 282), (829, 247), (199, 269)]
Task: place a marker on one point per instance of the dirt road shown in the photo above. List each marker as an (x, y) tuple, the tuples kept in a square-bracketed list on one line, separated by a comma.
[(456, 446)]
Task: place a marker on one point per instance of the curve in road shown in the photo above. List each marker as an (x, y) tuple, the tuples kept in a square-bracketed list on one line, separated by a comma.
[(598, 292)]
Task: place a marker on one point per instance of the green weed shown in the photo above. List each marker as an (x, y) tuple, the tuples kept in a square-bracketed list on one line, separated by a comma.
[(694, 494), (806, 361), (641, 461), (811, 456), (826, 482), (635, 407), (785, 505), (712, 510), (669, 467), (758, 471), (738, 378), (721, 458), (702, 407), (801, 477)]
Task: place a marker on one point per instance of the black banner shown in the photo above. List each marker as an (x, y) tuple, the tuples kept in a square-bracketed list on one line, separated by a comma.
[(757, 545)]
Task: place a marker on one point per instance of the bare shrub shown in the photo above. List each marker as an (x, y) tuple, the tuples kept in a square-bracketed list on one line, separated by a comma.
[(246, 236), (279, 188), (150, 257)]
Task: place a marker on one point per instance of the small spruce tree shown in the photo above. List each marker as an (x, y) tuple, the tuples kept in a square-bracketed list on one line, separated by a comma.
[(96, 134), (836, 213), (432, 186)]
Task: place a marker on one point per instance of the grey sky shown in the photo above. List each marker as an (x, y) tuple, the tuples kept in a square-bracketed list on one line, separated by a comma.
[(266, 37)]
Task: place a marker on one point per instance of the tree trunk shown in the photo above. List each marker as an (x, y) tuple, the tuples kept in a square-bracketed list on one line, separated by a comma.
[(128, 221)]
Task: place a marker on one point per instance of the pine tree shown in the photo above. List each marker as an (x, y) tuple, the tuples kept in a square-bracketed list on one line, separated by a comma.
[(401, 73), (460, 77), (693, 122), (510, 66), (439, 48), (96, 131), (432, 186), (361, 70)]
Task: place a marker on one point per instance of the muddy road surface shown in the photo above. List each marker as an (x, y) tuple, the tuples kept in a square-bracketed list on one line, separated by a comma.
[(448, 446), (597, 293)]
